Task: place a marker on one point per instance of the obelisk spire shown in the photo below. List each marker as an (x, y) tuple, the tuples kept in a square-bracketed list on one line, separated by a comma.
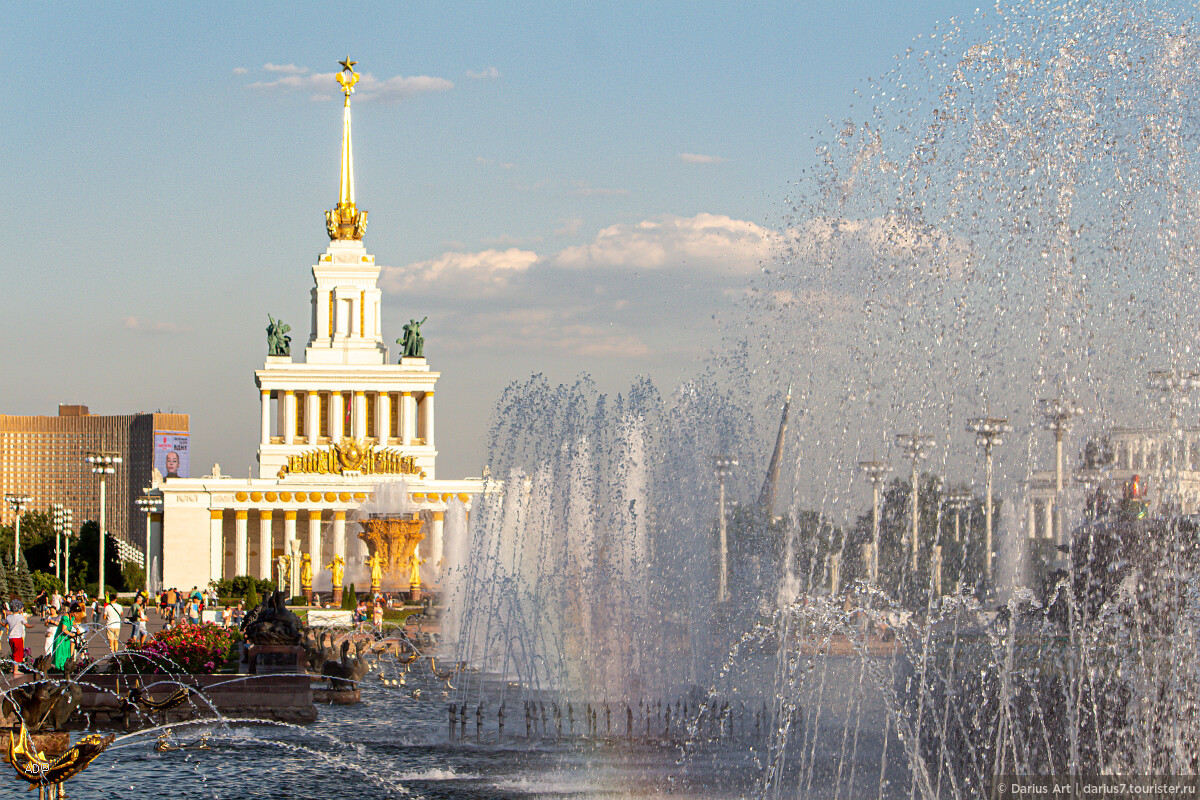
[(345, 221), (766, 498)]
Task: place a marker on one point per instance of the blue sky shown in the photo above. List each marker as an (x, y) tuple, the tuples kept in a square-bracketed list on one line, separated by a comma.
[(562, 188)]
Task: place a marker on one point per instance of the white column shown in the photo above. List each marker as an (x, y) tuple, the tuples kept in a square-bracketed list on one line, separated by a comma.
[(289, 531), (407, 412), (359, 415), (1048, 514), (436, 542), (427, 407), (154, 553), (320, 314), (336, 416), (339, 536), (264, 544), (241, 544), (289, 417), (266, 417), (1032, 524), (312, 423), (383, 417), (314, 540), (216, 545), (293, 550)]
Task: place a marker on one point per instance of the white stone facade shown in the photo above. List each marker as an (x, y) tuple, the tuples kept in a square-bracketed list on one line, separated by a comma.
[(343, 397)]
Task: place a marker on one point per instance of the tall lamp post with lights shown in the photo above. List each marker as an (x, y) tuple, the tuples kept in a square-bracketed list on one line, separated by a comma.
[(1057, 415), (876, 472), (723, 465), (57, 514), (68, 530), (915, 446), (102, 463), (989, 432), (17, 502), (149, 505)]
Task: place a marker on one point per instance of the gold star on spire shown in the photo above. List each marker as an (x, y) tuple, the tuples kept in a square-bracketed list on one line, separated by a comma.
[(347, 64)]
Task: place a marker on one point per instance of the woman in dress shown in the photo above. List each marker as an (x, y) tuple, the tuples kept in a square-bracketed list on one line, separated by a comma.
[(64, 639)]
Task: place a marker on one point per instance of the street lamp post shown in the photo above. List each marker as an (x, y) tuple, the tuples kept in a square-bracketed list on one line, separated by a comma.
[(56, 522), (17, 502), (1057, 415), (916, 447), (876, 472), (723, 465), (958, 501), (989, 432), (149, 505), (68, 527), (103, 463)]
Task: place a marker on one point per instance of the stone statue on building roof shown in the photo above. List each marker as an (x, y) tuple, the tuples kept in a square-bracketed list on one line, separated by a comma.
[(278, 342), (413, 342)]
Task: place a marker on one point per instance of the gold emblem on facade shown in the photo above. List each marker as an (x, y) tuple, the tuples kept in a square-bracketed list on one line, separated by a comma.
[(351, 455)]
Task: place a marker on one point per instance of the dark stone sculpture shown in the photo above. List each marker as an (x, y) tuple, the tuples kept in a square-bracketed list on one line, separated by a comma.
[(272, 623), (413, 342), (278, 342), (43, 705), (346, 673)]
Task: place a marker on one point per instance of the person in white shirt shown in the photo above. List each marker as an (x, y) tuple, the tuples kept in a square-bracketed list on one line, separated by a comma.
[(16, 620), (112, 624)]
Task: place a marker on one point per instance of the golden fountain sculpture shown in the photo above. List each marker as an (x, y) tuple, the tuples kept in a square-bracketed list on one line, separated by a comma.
[(393, 542)]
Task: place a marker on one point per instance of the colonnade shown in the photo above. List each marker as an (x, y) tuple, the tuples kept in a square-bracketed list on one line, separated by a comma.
[(321, 533), (1150, 453), (317, 417)]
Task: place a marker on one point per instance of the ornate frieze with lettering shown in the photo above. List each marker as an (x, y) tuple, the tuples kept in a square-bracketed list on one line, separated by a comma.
[(351, 455)]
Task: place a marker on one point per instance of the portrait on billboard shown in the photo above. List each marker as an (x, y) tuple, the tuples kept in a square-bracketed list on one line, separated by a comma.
[(171, 454)]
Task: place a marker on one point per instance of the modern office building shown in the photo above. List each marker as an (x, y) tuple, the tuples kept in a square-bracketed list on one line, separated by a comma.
[(43, 457)]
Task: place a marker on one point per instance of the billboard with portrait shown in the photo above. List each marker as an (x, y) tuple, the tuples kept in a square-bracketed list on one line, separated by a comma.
[(171, 453)]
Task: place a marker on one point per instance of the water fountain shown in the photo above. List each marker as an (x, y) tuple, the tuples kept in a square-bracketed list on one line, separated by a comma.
[(1003, 236)]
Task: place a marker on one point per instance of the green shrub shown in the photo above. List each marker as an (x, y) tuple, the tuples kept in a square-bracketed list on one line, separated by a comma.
[(349, 599), (251, 597)]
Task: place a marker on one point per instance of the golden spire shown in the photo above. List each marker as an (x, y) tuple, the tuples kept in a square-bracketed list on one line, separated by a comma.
[(345, 221)]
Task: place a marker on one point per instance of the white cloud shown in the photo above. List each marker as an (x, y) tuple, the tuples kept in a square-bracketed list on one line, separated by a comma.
[(697, 158), (489, 72), (482, 271), (705, 241), (240, 71), (287, 69), (140, 325), (323, 86)]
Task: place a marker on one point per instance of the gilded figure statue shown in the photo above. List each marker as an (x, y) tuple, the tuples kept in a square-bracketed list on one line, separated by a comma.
[(335, 569), (414, 578), (306, 571), (376, 571)]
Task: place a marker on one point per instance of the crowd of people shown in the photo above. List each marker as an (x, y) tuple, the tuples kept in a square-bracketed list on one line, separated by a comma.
[(64, 619)]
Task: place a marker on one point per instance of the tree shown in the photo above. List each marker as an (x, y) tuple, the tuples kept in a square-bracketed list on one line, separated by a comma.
[(37, 528), (85, 553), (962, 560)]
